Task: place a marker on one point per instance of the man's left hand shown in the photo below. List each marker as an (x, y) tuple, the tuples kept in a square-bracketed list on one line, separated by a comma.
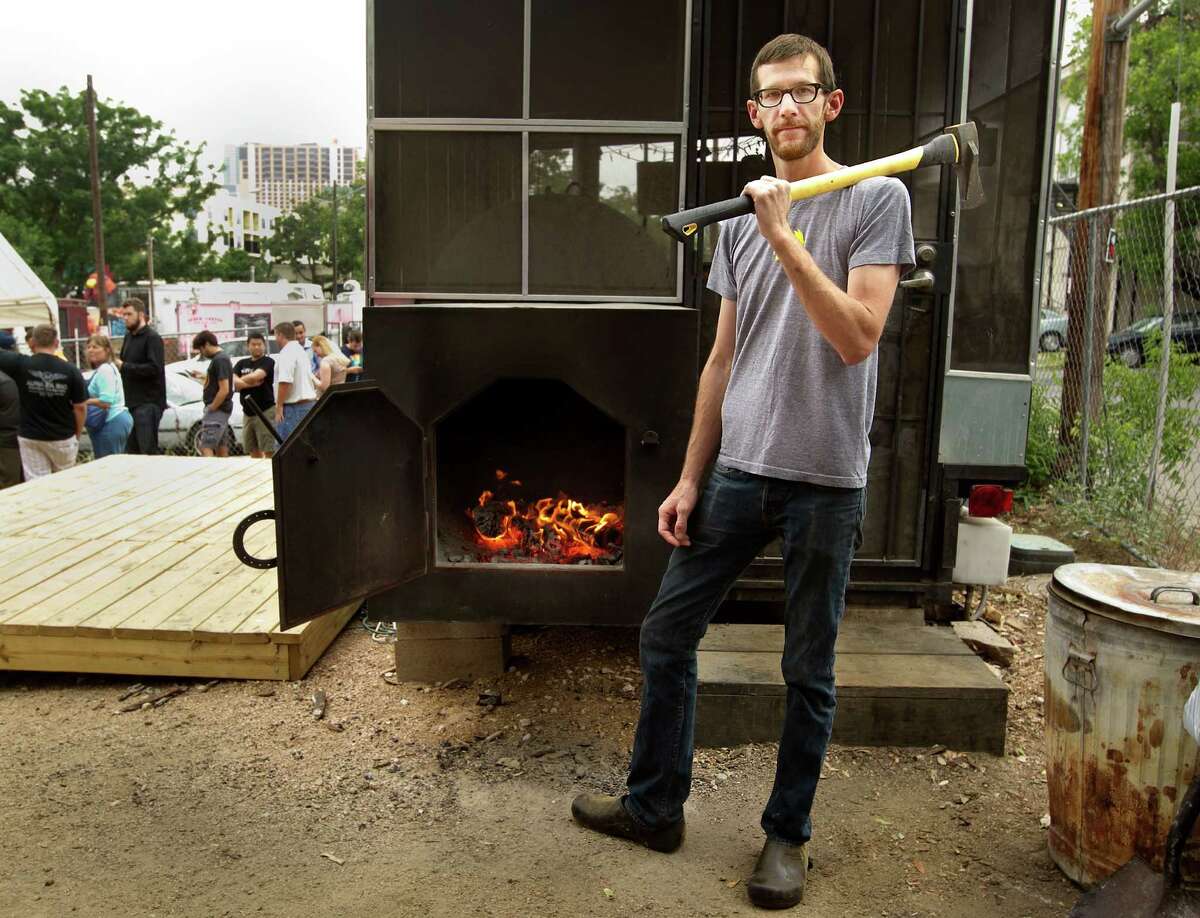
[(772, 200)]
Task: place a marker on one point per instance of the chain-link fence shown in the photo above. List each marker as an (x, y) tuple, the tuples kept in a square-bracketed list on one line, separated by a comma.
[(1115, 418)]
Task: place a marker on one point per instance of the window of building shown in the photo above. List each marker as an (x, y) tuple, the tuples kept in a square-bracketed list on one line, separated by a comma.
[(550, 190)]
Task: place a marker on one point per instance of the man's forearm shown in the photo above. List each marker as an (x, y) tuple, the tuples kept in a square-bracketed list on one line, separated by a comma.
[(842, 320), (80, 415), (705, 438), (285, 389)]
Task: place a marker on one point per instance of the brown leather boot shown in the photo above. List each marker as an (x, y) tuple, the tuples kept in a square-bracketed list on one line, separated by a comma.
[(779, 876), (607, 814)]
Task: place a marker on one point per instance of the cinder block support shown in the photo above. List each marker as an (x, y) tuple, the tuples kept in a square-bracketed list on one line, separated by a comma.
[(438, 651)]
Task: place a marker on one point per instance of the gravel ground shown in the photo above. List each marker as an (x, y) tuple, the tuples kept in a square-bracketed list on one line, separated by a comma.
[(231, 798)]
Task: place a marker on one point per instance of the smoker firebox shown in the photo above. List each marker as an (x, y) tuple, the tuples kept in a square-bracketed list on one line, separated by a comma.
[(587, 403), (529, 472)]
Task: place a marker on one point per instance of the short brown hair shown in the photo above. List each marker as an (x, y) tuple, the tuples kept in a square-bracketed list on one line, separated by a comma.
[(134, 303), (43, 336), (204, 338), (286, 329), (784, 48)]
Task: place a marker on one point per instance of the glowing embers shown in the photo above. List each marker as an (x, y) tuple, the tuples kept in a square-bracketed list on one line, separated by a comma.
[(549, 530)]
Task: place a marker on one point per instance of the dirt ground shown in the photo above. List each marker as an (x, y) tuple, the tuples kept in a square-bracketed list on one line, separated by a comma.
[(232, 799)]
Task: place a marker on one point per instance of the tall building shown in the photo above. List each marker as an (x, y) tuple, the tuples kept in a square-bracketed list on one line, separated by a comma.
[(232, 221), (284, 175)]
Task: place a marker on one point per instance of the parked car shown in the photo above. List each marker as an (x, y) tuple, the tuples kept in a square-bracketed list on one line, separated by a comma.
[(180, 423), (1129, 345), (1052, 331)]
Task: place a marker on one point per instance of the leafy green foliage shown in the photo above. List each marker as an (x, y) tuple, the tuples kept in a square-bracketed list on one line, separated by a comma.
[(1160, 53), (147, 176), (303, 238)]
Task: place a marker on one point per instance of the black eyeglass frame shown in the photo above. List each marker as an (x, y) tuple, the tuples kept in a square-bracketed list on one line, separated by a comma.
[(791, 91)]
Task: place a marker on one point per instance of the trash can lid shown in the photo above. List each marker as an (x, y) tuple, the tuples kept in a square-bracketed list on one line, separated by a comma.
[(1152, 597)]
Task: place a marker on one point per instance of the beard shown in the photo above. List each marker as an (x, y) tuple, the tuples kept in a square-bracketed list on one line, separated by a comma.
[(799, 144)]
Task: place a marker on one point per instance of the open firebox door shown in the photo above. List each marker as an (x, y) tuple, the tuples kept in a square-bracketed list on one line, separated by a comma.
[(350, 513)]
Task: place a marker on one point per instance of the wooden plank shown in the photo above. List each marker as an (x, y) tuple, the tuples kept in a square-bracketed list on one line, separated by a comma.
[(317, 636), (252, 590), (168, 576), (52, 497), (132, 511), (175, 616), (852, 638), (47, 559), (880, 675), (225, 499), (23, 613), (145, 657)]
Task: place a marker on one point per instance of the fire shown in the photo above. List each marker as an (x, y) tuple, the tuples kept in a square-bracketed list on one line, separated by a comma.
[(549, 530)]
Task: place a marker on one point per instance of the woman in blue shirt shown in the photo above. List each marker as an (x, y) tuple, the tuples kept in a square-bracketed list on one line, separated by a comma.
[(106, 392)]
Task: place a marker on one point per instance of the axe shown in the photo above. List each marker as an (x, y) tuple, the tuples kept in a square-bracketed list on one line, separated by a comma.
[(958, 145)]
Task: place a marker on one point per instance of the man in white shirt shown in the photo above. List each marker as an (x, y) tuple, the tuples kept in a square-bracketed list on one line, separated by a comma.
[(294, 389)]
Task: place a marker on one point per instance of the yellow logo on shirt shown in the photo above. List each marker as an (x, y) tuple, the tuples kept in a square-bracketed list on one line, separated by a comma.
[(799, 234)]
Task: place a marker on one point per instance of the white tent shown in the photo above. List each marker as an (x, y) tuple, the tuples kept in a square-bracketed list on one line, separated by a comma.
[(24, 300)]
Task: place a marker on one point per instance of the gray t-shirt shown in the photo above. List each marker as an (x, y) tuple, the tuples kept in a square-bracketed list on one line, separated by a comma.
[(793, 409)]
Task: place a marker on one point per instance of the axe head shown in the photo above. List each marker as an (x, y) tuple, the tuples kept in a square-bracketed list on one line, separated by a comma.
[(970, 185)]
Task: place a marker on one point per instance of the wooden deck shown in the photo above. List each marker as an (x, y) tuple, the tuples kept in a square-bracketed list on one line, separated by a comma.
[(126, 565)]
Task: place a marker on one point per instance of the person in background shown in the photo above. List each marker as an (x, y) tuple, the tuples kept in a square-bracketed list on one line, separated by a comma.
[(254, 377), (294, 389), (306, 343), (331, 370), (145, 381), (353, 351), (106, 392), (52, 394), (10, 421), (218, 396)]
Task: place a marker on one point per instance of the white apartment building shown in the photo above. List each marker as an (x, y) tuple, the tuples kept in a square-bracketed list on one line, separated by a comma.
[(283, 176), (230, 221)]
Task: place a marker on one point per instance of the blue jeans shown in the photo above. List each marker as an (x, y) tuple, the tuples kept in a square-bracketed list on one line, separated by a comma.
[(737, 515), (113, 436), (292, 415)]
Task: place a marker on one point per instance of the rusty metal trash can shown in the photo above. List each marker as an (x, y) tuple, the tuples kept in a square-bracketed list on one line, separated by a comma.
[(1122, 656)]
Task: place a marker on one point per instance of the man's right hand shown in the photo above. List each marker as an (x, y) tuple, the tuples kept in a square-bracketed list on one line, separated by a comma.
[(673, 513), (278, 416)]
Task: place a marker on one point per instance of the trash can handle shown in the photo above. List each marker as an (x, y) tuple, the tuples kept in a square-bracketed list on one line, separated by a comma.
[(1079, 669), (239, 541), (1158, 591)]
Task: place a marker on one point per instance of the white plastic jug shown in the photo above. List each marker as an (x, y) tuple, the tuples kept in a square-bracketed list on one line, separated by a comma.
[(983, 546)]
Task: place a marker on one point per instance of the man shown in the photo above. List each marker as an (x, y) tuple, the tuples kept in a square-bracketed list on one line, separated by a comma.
[(218, 396), (142, 374), (353, 350), (784, 405), (254, 377), (306, 345), (53, 404), (10, 421), (294, 389)]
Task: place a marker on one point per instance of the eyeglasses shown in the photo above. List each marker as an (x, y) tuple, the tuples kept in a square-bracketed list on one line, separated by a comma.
[(801, 93)]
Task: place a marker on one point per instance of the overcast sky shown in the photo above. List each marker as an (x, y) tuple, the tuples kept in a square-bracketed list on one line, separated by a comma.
[(217, 71)]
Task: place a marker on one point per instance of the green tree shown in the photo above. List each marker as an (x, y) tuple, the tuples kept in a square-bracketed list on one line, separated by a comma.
[(303, 238), (147, 176), (1160, 54)]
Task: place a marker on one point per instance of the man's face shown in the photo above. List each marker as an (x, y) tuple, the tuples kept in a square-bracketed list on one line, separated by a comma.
[(300, 332), (793, 131), (257, 347), (281, 341), (354, 345), (133, 318)]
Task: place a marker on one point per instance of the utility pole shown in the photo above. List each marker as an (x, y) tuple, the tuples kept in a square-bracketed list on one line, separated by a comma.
[(97, 224), (334, 246), (150, 272), (1101, 149)]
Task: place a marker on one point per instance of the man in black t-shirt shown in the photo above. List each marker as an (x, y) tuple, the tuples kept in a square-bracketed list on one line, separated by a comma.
[(53, 404), (254, 377), (218, 396)]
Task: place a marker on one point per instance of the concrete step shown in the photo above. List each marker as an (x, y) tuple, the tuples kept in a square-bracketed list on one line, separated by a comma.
[(902, 684)]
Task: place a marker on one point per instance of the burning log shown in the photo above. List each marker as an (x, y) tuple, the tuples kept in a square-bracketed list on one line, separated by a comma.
[(549, 530)]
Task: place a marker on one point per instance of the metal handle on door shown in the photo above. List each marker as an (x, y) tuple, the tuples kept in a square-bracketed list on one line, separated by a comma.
[(921, 280)]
